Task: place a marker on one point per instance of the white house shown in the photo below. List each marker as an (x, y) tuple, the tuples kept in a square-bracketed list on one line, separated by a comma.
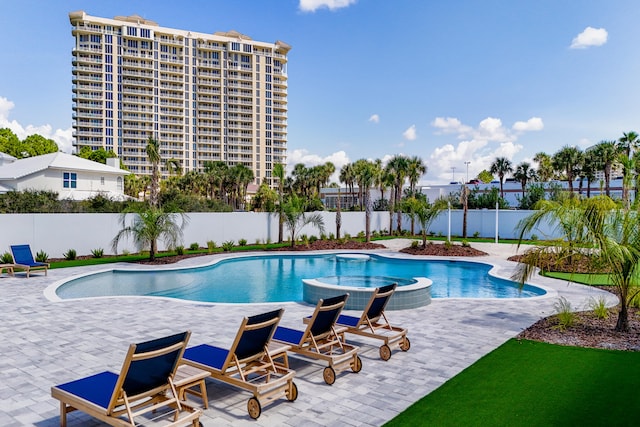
[(72, 177)]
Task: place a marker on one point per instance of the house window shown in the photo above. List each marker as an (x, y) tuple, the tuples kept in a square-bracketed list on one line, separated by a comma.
[(102, 180), (119, 183), (69, 180)]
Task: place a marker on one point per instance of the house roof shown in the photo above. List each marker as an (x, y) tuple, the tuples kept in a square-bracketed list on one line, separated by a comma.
[(59, 160)]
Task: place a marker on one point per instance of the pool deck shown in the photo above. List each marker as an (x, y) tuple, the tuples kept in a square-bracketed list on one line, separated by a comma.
[(45, 343)]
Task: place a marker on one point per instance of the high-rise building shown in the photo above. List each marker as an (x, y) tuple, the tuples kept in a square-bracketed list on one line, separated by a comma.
[(203, 97)]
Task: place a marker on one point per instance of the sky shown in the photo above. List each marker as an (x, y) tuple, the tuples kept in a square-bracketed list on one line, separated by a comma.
[(457, 83)]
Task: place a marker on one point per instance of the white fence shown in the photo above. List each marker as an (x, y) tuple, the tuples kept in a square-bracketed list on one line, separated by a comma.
[(57, 233)]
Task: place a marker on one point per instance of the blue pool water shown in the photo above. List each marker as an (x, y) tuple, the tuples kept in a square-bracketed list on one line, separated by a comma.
[(278, 278)]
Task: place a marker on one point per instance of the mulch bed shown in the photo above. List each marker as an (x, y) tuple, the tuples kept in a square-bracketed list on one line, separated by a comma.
[(443, 250)]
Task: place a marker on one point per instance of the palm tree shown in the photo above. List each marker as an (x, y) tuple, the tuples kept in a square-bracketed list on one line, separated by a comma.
[(279, 173), (366, 178), (398, 168), (295, 217), (606, 153), (568, 160), (588, 170), (524, 173), (594, 223), (150, 225), (347, 175), (628, 142), (501, 166), (415, 170), (426, 213), (240, 176), (153, 155), (545, 167)]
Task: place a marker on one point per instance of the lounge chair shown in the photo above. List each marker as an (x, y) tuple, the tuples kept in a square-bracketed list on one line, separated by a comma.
[(23, 259), (374, 324), (321, 341), (248, 364), (144, 387)]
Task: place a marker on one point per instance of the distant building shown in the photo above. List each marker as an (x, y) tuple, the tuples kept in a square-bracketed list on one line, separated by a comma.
[(512, 191), (203, 97), (70, 176)]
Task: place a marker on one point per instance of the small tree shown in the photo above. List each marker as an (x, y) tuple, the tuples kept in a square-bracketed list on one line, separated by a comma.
[(426, 213), (295, 217), (150, 225)]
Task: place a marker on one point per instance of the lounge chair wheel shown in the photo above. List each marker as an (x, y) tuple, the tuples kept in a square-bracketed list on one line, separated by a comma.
[(292, 394), (385, 352), (329, 375), (357, 364), (405, 345), (254, 408)]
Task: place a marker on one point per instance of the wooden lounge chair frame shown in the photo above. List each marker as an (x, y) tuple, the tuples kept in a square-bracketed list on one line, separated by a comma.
[(27, 264), (249, 364), (154, 398), (374, 323), (322, 341)]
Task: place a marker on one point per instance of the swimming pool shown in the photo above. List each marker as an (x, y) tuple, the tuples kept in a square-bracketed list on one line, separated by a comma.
[(278, 278)]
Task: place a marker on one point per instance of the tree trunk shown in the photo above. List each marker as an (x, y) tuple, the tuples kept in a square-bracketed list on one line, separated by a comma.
[(623, 318), (367, 216), (152, 250), (465, 210)]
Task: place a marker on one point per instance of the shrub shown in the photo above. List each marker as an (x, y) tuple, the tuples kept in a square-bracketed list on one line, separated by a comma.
[(97, 253), (414, 244), (534, 237), (635, 301), (476, 234), (194, 246), (466, 244), (323, 236), (228, 245), (211, 245), (448, 244), (70, 255), (599, 307), (258, 241), (361, 235), (313, 239), (180, 250), (332, 236), (42, 256), (242, 242), (125, 252), (347, 236), (6, 258), (566, 316)]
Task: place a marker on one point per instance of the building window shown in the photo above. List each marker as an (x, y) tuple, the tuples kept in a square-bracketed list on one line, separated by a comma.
[(102, 180), (69, 180), (119, 183)]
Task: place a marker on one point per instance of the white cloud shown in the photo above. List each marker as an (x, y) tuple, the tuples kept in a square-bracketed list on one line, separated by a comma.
[(62, 137), (313, 5), (450, 125), (590, 37), (339, 159), (374, 118), (410, 134), (533, 124), (479, 146)]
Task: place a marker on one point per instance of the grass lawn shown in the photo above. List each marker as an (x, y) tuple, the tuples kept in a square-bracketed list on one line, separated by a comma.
[(585, 279), (526, 383)]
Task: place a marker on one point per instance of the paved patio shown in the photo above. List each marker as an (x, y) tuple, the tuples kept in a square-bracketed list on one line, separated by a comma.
[(46, 343)]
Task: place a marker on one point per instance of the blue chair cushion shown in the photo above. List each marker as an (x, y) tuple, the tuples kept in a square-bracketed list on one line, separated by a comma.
[(207, 355), (350, 321), (97, 388), (290, 336)]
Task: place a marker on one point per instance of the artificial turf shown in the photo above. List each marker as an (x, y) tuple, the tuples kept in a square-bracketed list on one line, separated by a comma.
[(527, 383)]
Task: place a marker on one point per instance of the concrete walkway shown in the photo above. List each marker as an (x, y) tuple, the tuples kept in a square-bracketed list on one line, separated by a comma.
[(44, 343)]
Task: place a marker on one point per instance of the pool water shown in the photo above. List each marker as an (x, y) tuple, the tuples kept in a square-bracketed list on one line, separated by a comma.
[(278, 278)]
